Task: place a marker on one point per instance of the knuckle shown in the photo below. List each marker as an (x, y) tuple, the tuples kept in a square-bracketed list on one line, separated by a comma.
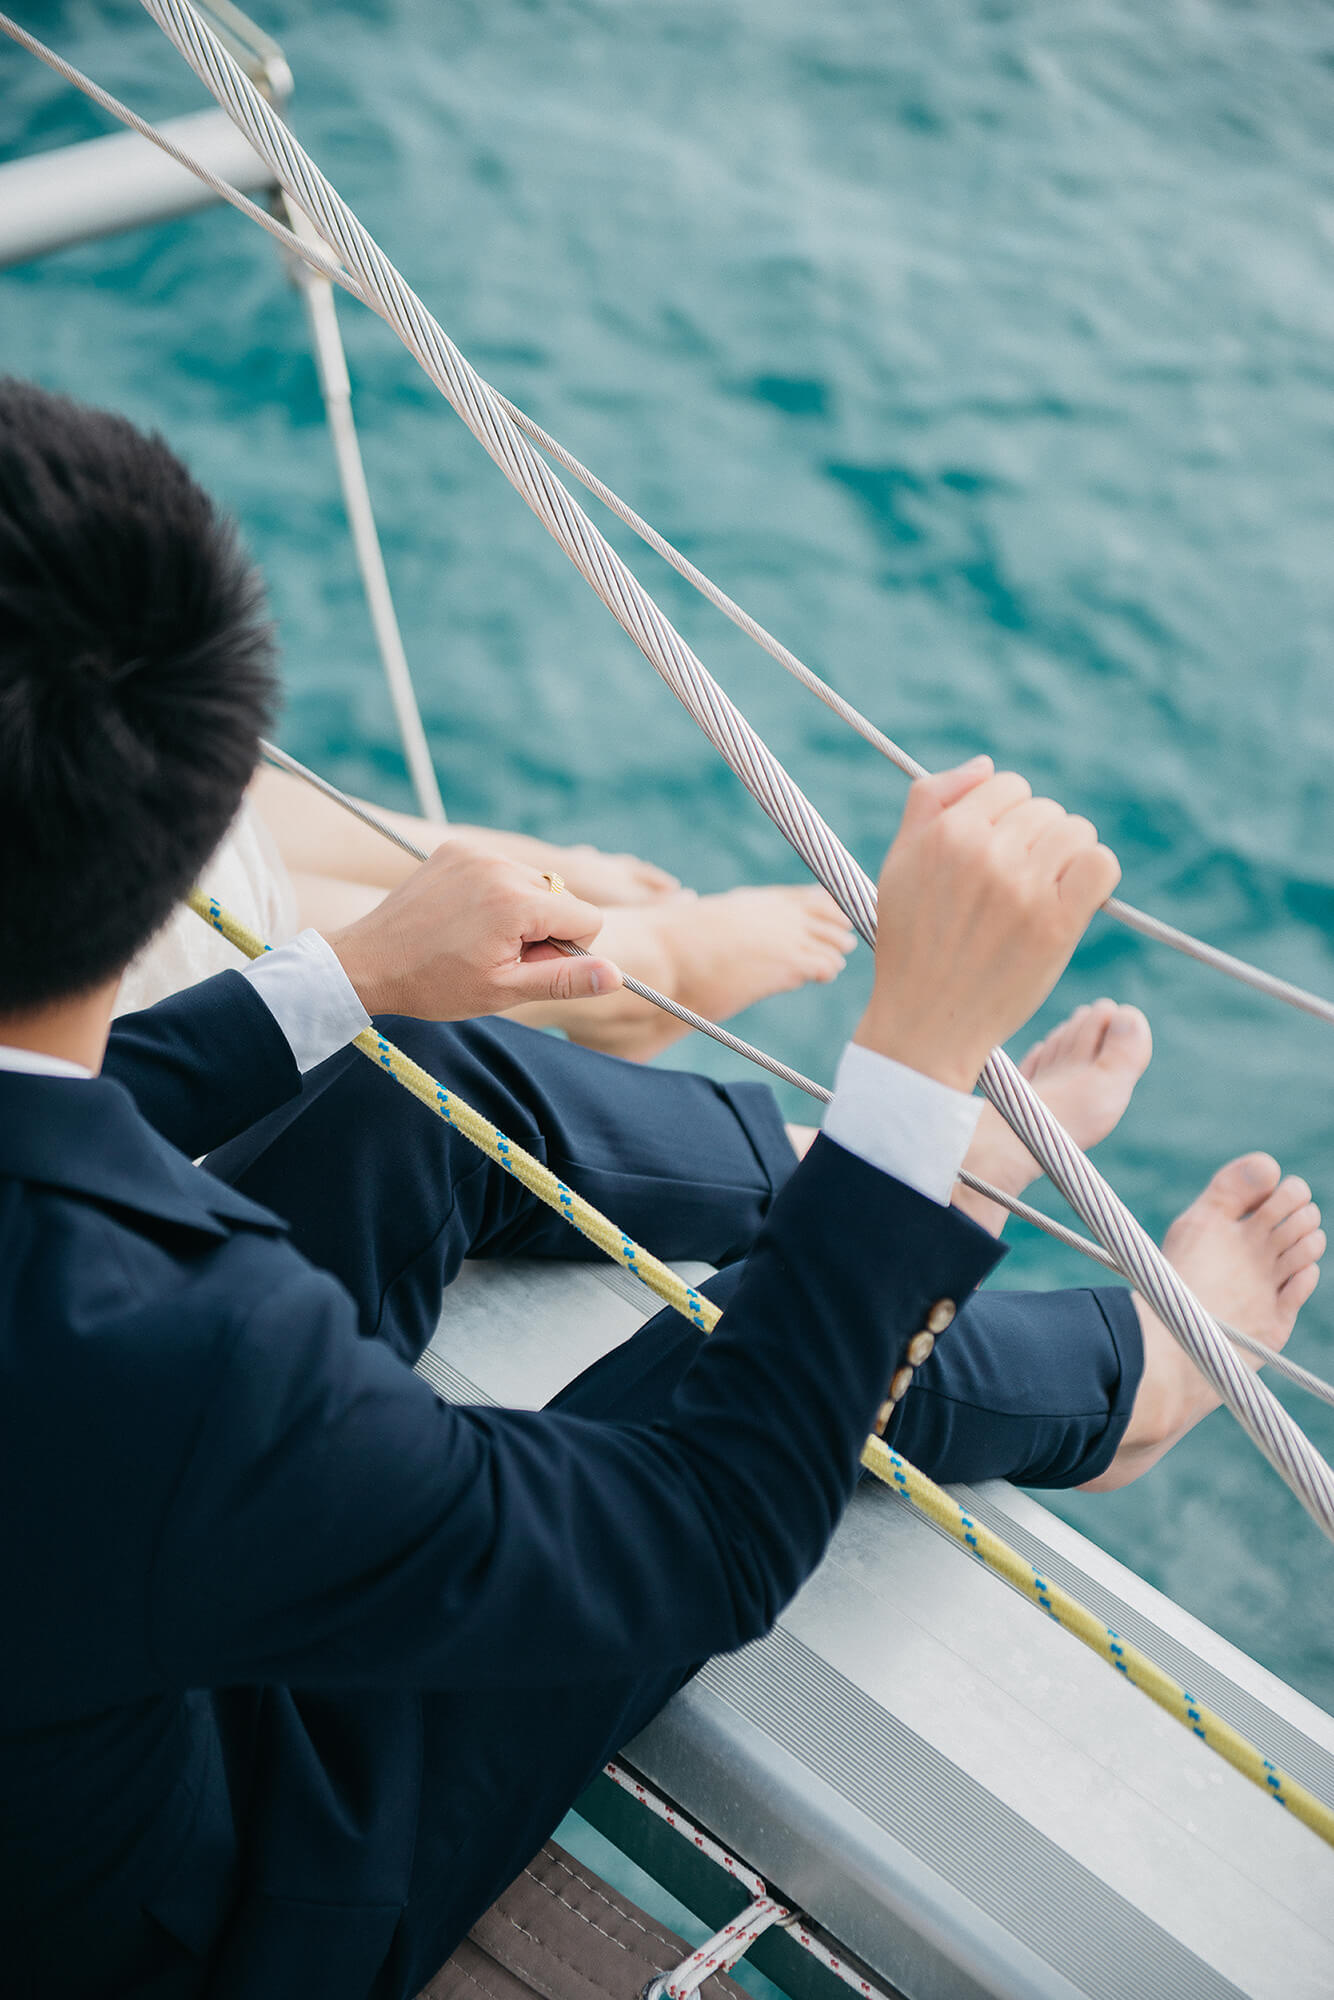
[(1010, 789), (965, 836)]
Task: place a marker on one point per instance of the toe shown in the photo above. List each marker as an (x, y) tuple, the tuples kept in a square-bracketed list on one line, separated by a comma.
[(1065, 1038), (1308, 1251), (828, 966), (1127, 1040), (656, 881), (1296, 1290), (1088, 1027), (1054, 1047), (1243, 1184), (1291, 1194), (1291, 1229), (1034, 1060), (822, 919)]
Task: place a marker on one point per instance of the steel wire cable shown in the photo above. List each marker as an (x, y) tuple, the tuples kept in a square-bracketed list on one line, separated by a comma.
[(1265, 1421), (321, 261), (878, 1458), (686, 1015), (1140, 921), (1129, 1662), (1274, 1432), (1254, 976), (1301, 1377)]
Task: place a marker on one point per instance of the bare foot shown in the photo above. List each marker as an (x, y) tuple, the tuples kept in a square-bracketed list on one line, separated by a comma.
[(1249, 1247), (715, 954), (1085, 1072), (613, 880)]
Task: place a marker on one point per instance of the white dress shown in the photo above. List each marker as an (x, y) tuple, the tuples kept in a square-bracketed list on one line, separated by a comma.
[(249, 878)]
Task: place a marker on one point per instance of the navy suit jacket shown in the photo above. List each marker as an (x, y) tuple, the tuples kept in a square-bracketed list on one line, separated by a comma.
[(211, 1485)]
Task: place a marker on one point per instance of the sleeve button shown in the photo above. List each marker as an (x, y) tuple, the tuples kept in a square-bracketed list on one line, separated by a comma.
[(919, 1347), (940, 1315), (882, 1417), (899, 1387)]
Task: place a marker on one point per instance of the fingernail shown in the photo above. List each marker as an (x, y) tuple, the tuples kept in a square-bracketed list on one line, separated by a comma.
[(1122, 1024), (975, 763), (595, 980)]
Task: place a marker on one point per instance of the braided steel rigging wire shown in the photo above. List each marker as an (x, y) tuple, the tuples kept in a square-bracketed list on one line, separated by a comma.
[(1153, 927), (878, 1458), (1291, 1371), (1140, 921), (283, 762), (1281, 1441), (888, 1464)]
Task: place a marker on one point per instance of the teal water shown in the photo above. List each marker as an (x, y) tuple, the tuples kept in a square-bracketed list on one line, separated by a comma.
[(984, 352)]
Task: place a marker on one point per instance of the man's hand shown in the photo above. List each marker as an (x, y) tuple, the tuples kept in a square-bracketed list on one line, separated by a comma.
[(983, 897), (467, 934)]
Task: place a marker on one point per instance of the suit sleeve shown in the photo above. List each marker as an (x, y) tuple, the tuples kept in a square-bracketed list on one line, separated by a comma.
[(204, 1064), (335, 1525)]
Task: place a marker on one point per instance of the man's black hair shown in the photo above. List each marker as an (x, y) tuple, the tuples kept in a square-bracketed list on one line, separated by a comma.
[(136, 677)]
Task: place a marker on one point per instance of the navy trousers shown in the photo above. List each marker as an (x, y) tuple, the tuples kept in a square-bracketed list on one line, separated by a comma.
[(1034, 1387)]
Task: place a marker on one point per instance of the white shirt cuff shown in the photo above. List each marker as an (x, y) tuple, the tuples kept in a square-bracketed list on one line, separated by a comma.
[(907, 1124), (309, 995)]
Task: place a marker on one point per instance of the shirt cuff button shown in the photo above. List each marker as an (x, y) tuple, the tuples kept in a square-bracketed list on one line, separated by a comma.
[(940, 1315)]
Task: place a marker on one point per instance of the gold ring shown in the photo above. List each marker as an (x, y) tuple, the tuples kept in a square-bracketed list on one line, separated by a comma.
[(554, 882)]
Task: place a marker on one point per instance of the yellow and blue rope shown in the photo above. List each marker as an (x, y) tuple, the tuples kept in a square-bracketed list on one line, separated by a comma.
[(878, 1458)]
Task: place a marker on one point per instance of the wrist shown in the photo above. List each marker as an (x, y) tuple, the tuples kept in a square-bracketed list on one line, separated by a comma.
[(926, 1046), (364, 970)]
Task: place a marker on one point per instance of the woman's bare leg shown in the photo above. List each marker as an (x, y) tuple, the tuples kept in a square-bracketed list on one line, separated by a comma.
[(715, 954), (325, 903), (316, 836)]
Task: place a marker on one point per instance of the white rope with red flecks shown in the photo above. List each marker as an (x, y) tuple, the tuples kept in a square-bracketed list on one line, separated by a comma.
[(720, 1952)]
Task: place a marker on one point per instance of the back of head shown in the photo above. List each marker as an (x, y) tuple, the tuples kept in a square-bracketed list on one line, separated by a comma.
[(136, 676)]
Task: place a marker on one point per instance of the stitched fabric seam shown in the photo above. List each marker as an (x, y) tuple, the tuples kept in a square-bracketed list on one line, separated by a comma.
[(656, 1936)]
